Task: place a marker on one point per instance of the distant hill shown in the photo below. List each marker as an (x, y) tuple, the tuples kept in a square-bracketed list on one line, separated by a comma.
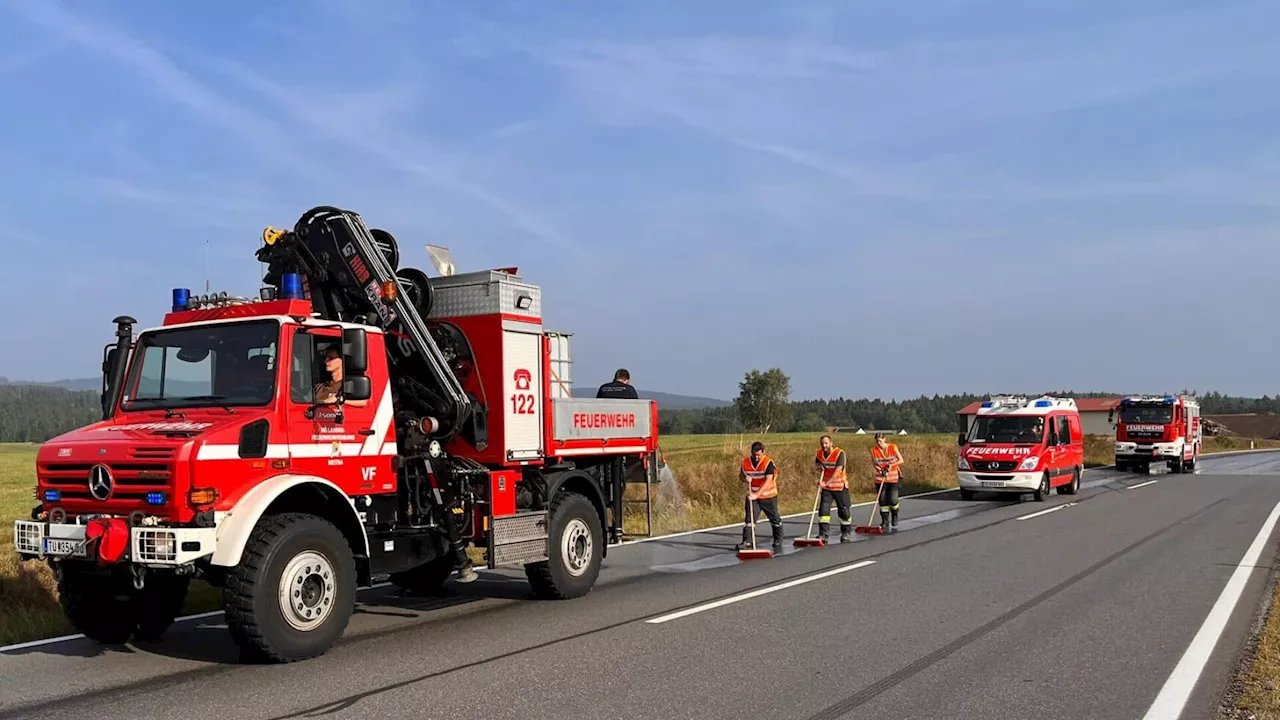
[(666, 401)]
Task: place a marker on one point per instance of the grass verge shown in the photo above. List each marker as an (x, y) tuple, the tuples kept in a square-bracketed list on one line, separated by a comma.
[(702, 492)]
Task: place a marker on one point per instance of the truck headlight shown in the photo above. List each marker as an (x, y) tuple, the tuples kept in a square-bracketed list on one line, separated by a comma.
[(963, 464), (1029, 464)]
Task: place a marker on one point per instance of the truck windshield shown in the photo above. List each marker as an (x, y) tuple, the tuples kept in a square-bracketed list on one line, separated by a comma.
[(1146, 415), (220, 365), (1024, 430)]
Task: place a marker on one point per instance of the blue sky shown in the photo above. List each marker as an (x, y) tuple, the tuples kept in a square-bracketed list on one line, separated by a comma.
[(882, 198)]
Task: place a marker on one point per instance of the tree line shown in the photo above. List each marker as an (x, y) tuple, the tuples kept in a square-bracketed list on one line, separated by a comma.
[(35, 413)]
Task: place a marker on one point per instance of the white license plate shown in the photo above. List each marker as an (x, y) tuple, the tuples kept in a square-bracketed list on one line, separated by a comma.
[(992, 483), (61, 546)]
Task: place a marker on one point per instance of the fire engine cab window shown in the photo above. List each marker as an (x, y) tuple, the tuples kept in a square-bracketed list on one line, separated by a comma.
[(1064, 430), (1147, 415), (1028, 430), (212, 366)]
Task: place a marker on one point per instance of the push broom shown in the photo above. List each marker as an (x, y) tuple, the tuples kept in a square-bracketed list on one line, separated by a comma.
[(870, 529), (754, 553), (808, 540)]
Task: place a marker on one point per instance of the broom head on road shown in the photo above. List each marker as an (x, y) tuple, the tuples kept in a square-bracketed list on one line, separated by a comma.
[(754, 553), (807, 540)]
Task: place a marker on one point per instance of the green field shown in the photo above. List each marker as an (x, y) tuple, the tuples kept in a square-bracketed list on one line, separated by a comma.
[(704, 493)]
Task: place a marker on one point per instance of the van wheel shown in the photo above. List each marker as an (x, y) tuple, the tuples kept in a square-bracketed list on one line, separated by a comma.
[(292, 594), (967, 495), (1074, 486), (1042, 492)]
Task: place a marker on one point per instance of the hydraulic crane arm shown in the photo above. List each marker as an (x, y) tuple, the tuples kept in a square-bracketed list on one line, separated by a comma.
[(345, 266)]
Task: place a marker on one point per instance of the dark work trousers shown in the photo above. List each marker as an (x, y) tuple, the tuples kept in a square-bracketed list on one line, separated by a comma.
[(888, 501), (769, 507), (841, 499)]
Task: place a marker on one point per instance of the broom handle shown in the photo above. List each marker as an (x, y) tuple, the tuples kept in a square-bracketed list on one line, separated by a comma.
[(875, 504), (809, 533), (752, 504)]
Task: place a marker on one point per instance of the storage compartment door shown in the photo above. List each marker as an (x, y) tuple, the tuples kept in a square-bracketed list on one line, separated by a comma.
[(522, 388)]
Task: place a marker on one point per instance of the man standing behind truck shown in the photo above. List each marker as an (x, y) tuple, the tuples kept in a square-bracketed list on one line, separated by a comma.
[(888, 466), (830, 462), (619, 389), (760, 476)]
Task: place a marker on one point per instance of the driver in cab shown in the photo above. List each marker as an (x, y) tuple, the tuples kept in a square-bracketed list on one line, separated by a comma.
[(327, 392)]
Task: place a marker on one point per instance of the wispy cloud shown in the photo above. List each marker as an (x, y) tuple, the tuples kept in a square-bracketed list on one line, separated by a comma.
[(349, 118)]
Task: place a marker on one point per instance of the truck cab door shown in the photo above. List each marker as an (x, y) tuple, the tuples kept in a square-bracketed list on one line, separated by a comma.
[(346, 453)]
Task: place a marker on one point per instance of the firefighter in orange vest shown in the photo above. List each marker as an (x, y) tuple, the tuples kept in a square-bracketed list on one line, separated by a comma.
[(830, 462), (888, 465), (760, 478)]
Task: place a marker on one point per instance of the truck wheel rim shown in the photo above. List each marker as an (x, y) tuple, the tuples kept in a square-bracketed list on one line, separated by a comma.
[(577, 547), (307, 590)]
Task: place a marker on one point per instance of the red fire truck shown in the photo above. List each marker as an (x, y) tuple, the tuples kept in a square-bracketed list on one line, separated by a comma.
[(355, 421), (1016, 445), (1155, 429)]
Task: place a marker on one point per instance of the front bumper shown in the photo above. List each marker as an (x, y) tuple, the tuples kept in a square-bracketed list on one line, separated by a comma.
[(999, 482), (149, 546), (1126, 451)]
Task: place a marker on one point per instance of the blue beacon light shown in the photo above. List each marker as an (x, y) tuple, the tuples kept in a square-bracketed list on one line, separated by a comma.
[(181, 297), (291, 286)]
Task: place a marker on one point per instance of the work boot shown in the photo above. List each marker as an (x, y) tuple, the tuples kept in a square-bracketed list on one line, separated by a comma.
[(824, 529), (746, 540), (884, 521), (777, 538), (846, 534), (895, 519)]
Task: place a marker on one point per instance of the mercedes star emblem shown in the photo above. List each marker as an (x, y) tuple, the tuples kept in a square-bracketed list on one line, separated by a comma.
[(100, 482)]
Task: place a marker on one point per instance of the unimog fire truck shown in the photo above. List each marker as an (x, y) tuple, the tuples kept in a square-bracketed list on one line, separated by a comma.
[(356, 420), (1157, 429)]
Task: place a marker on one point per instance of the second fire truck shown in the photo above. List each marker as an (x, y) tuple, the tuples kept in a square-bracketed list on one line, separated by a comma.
[(1157, 429)]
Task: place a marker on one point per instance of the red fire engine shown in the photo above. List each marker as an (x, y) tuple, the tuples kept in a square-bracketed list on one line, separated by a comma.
[(358, 420), (1154, 429)]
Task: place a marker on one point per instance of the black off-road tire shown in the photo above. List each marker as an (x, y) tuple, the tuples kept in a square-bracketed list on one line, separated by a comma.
[(327, 577), (98, 605), (106, 608), (571, 514), (427, 578)]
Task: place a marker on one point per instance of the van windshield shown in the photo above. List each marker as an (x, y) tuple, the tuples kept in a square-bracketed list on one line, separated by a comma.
[(1147, 415), (217, 365), (1020, 430)]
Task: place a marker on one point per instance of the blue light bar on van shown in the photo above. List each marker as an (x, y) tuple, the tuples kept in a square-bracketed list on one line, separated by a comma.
[(988, 404), (181, 296), (1170, 400), (155, 498), (1044, 403), (291, 286), (52, 495)]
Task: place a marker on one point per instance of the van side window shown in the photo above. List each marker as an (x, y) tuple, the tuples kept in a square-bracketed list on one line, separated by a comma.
[(1064, 430), (1052, 437)]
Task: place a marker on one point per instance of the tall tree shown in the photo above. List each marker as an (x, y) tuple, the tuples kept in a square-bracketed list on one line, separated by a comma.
[(763, 400)]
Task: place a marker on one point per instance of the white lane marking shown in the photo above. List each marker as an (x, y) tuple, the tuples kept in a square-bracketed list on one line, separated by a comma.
[(1172, 699), (1046, 512), (1135, 487), (756, 593)]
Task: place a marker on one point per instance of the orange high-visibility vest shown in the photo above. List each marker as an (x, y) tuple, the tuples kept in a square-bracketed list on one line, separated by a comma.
[(766, 488), (889, 460), (833, 476)]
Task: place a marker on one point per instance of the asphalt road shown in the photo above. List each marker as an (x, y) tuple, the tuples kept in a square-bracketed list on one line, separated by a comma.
[(1077, 607)]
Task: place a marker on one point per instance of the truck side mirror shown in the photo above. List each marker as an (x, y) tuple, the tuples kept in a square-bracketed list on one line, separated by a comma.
[(355, 353), (960, 439), (359, 387), (1111, 416)]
